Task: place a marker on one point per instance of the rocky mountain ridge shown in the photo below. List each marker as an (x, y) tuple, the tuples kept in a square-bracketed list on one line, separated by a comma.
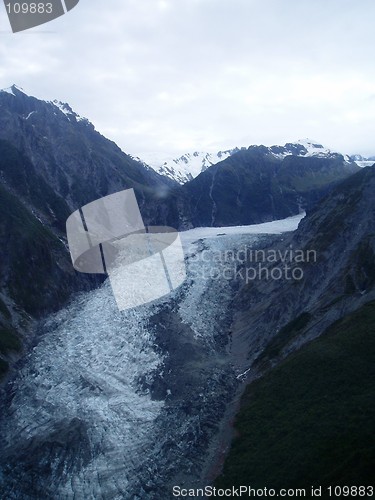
[(258, 185), (188, 166)]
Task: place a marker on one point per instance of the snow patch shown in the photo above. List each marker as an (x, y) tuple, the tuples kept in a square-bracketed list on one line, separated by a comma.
[(8, 90), (365, 163), (67, 110)]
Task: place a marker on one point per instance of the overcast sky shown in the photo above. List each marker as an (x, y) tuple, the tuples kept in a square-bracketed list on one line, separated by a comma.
[(173, 76)]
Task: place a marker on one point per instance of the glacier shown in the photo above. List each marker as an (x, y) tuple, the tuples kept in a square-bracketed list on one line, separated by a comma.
[(122, 405)]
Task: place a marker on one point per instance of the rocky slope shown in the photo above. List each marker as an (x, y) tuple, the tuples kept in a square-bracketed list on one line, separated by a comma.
[(336, 249), (36, 276), (327, 318)]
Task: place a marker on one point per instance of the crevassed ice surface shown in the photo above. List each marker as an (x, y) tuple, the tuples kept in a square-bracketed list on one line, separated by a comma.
[(83, 378), (212, 272), (78, 422)]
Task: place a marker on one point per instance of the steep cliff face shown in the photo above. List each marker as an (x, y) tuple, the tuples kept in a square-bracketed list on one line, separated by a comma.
[(255, 185)]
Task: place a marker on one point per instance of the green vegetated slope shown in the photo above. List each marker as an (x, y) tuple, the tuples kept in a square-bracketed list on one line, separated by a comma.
[(310, 421)]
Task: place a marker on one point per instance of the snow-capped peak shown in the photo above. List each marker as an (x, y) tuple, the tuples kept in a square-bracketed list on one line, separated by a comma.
[(302, 147), (64, 107), (186, 167), (13, 90), (314, 148)]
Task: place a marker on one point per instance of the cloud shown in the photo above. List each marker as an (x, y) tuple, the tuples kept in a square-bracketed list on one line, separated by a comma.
[(173, 75)]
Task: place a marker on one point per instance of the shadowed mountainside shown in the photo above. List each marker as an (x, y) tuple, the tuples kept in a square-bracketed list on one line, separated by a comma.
[(308, 346)]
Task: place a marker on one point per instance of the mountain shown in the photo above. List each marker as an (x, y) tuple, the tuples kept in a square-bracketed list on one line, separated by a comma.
[(77, 162), (168, 370), (254, 185), (304, 147), (186, 167), (260, 184), (344, 258), (189, 165), (36, 275), (52, 161), (307, 346)]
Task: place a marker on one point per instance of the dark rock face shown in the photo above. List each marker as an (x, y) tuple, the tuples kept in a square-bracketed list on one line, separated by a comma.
[(254, 186), (74, 160)]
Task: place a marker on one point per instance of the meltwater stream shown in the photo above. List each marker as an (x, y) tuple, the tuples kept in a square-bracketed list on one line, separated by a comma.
[(121, 405)]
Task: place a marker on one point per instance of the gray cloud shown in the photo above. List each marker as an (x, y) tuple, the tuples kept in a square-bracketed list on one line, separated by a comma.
[(175, 75)]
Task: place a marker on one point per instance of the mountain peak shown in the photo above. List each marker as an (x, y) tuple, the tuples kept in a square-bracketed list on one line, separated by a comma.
[(305, 148), (309, 142), (13, 90), (313, 147), (64, 107), (187, 166)]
